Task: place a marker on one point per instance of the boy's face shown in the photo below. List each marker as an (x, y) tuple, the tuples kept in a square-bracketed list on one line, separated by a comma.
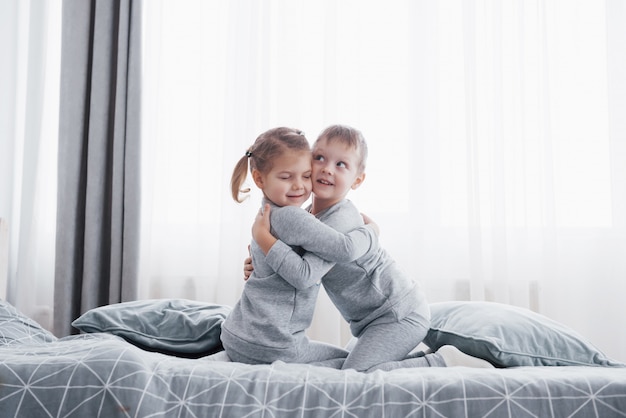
[(289, 181), (335, 171)]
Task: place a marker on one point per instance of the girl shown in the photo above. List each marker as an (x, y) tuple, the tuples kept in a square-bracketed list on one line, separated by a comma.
[(268, 322), (386, 310)]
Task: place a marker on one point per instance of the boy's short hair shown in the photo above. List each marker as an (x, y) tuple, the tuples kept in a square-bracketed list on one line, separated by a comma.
[(348, 136)]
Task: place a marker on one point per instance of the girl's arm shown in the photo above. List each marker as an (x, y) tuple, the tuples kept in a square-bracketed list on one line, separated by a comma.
[(261, 230), (299, 271)]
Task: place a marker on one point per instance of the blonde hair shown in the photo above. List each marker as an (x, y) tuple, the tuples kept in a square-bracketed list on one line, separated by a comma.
[(348, 136), (260, 156)]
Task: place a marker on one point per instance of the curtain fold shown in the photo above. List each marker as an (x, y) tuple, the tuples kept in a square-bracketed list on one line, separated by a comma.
[(97, 240), (29, 77), (495, 132), (616, 87)]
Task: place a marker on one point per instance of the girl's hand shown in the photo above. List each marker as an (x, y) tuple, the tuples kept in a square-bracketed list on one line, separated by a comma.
[(261, 223), (261, 230), (370, 222)]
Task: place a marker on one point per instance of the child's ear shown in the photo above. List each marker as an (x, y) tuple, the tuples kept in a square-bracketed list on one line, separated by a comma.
[(258, 178), (357, 181)]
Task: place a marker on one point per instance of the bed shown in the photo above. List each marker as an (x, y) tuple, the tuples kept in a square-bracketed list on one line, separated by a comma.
[(162, 358)]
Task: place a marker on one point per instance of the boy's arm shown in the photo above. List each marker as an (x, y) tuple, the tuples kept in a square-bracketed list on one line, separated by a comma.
[(305, 230)]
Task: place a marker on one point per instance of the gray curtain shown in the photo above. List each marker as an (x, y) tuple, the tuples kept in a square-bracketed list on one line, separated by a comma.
[(97, 239)]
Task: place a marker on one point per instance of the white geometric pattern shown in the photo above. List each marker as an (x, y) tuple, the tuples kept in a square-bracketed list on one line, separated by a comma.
[(15, 328), (100, 375)]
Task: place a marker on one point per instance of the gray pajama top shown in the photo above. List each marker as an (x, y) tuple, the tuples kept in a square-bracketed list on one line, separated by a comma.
[(268, 322), (372, 287)]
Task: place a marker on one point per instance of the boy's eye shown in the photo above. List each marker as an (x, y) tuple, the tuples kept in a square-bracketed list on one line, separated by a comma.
[(318, 158), (341, 164)]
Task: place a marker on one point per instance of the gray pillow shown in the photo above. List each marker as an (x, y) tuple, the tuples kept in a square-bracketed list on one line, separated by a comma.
[(509, 336), (177, 327), (17, 328)]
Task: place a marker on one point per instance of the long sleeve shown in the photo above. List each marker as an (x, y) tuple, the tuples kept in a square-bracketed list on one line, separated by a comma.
[(324, 245), (294, 226), (299, 271)]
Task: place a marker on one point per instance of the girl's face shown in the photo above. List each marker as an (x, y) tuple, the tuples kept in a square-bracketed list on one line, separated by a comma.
[(289, 181), (335, 172)]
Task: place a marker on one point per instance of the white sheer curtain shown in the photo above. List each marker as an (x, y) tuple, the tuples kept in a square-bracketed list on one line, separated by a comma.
[(496, 132), (30, 45)]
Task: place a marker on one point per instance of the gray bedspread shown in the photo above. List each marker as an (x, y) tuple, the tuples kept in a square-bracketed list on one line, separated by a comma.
[(101, 375)]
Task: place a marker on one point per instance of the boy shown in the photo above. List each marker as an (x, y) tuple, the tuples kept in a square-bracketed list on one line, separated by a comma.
[(386, 310)]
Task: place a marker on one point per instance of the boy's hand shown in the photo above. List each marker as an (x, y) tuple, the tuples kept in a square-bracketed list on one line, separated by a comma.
[(247, 266), (369, 222)]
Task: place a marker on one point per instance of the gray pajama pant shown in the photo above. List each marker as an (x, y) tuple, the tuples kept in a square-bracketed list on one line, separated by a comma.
[(386, 345), (313, 352)]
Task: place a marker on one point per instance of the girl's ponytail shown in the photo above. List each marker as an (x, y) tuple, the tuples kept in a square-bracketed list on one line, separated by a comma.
[(239, 177)]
